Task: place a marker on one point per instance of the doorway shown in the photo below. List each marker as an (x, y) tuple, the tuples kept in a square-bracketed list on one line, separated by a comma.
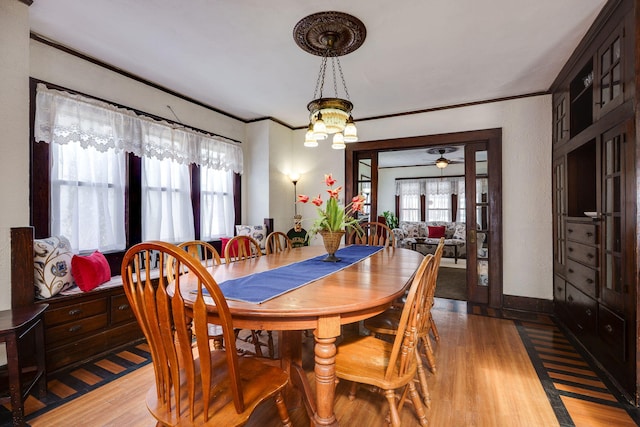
[(483, 202)]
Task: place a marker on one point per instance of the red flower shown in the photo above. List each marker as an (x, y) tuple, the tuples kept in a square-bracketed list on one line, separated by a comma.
[(357, 203), (302, 198), (333, 193), (317, 201), (328, 179)]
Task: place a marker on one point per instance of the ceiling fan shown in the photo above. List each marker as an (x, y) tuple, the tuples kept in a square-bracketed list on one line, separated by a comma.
[(442, 162)]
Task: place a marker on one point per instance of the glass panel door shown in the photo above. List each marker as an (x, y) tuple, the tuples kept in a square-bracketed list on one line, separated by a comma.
[(477, 222)]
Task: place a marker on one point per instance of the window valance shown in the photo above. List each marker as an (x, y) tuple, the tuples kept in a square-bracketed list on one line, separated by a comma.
[(63, 117), (424, 186)]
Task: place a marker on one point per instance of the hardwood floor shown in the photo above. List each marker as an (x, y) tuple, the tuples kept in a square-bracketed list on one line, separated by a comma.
[(490, 372)]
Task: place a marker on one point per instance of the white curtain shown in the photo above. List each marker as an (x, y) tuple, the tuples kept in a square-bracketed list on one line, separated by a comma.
[(409, 192), (62, 117), (167, 212), (90, 202), (217, 214)]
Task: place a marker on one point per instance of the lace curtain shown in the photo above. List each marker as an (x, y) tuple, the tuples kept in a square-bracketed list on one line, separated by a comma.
[(62, 118), (425, 186)]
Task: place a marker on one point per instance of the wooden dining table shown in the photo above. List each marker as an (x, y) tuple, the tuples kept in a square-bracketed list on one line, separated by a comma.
[(354, 293)]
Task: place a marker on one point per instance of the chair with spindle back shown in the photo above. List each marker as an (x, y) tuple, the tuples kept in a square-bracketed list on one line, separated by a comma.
[(375, 234), (277, 242), (391, 366), (240, 248), (194, 384), (209, 256), (386, 323)]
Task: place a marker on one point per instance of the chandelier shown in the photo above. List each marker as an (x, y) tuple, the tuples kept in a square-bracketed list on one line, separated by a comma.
[(330, 35)]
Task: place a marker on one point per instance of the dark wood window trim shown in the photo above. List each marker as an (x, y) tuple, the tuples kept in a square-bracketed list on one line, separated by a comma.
[(39, 180)]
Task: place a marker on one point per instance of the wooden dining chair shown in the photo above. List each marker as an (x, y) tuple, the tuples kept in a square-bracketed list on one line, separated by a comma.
[(390, 366), (375, 234), (240, 248), (194, 385), (387, 322), (209, 257), (277, 241)]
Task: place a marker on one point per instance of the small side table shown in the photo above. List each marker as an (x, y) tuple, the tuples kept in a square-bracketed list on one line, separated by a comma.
[(15, 325)]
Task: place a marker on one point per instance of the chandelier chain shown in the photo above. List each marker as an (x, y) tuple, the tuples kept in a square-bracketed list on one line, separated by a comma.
[(320, 81), (344, 84)]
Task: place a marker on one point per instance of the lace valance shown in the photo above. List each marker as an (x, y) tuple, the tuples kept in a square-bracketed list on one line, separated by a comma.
[(62, 117), (424, 186)]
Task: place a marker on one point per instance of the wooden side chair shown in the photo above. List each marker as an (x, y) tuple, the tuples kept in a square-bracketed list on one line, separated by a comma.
[(387, 322), (375, 234), (208, 256), (390, 366), (277, 242), (240, 248), (194, 385)]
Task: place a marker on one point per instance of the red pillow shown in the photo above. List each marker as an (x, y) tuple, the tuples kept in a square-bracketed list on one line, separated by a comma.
[(436, 232), (91, 271)]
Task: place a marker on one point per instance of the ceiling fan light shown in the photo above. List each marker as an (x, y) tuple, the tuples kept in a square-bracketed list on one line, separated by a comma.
[(442, 163)]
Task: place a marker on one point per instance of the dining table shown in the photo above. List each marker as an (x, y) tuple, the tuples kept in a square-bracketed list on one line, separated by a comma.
[(356, 292)]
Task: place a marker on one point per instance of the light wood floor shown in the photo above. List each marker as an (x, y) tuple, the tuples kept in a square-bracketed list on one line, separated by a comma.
[(484, 378)]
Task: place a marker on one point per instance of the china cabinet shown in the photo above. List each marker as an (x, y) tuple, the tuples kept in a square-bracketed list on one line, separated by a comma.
[(595, 194)]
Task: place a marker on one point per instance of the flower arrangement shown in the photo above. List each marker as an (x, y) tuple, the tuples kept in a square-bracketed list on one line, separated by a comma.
[(334, 217)]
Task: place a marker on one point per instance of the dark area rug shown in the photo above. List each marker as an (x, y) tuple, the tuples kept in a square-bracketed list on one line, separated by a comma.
[(452, 283)]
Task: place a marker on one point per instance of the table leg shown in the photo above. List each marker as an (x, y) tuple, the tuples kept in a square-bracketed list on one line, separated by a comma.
[(455, 254), (15, 380), (325, 369)]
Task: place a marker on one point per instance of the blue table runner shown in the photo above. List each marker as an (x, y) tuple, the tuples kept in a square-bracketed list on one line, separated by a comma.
[(260, 287)]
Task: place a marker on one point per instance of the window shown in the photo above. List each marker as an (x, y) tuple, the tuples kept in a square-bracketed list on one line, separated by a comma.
[(216, 203), (88, 197), (167, 213), (409, 192), (434, 199), (117, 178)]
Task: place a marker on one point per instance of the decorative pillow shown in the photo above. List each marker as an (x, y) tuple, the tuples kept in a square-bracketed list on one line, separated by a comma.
[(414, 229), (460, 231), (91, 271), (258, 232), (52, 266), (436, 232)]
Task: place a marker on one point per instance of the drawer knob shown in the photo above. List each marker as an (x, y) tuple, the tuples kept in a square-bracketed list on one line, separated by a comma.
[(75, 328), (589, 256), (608, 328), (570, 298), (570, 249), (589, 281), (75, 312), (589, 234), (588, 312), (570, 230), (570, 270), (123, 307)]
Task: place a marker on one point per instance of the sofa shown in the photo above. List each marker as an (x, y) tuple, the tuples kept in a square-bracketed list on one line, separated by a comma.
[(415, 235)]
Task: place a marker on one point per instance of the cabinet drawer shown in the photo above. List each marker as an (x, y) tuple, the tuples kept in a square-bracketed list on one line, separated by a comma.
[(582, 310), (611, 329), (72, 330), (583, 278), (582, 253), (582, 232), (120, 309), (73, 312)]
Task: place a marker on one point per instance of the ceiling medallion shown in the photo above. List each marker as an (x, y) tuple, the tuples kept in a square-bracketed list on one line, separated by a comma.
[(330, 35)]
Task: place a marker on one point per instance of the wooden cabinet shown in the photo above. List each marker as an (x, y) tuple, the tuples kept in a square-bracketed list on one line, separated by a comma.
[(595, 194), (82, 326)]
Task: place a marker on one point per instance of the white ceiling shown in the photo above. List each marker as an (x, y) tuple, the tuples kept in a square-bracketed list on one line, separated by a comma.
[(240, 57)]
